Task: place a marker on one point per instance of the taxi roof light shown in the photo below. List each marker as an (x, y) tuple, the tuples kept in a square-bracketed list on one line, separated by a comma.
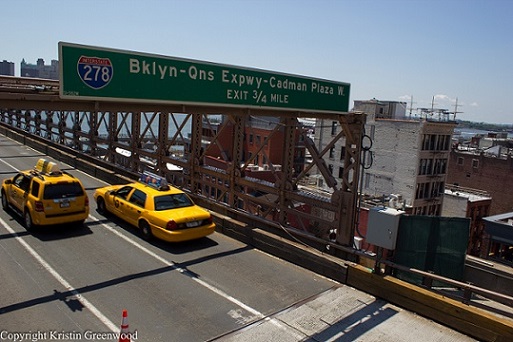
[(154, 180), (47, 167)]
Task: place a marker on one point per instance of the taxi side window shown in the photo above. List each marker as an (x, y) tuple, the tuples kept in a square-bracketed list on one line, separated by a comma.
[(35, 189), (22, 182), (123, 192), (138, 198), (17, 179)]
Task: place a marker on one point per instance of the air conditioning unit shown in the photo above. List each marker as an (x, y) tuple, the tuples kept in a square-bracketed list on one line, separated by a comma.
[(357, 242), (396, 201)]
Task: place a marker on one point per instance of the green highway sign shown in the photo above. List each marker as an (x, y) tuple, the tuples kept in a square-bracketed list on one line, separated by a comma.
[(94, 73)]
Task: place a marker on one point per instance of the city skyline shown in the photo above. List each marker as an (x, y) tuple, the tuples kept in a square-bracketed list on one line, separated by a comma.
[(424, 53)]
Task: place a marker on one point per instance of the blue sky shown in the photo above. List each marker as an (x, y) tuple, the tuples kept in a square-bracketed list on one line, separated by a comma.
[(386, 49)]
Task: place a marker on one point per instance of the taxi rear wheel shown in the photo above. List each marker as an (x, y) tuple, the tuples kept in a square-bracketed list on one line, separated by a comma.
[(145, 230), (27, 220), (5, 204)]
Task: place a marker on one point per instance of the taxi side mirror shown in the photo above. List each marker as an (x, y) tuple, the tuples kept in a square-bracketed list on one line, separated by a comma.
[(8, 181)]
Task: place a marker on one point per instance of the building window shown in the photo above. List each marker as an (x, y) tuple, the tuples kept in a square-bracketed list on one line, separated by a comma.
[(426, 167), (437, 189), (330, 168), (443, 166), (333, 128), (428, 142), (440, 166), (251, 138), (422, 190), (460, 160), (446, 143), (475, 163), (440, 142), (340, 172), (342, 152), (422, 167), (332, 152), (425, 142)]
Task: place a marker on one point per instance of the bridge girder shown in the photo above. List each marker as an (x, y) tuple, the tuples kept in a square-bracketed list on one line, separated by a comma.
[(142, 136)]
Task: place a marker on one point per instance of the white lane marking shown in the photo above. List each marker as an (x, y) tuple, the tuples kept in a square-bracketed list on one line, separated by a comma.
[(108, 323), (257, 314), (179, 269), (10, 165)]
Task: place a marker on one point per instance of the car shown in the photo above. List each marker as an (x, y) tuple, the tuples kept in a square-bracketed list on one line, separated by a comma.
[(156, 208), (46, 196)]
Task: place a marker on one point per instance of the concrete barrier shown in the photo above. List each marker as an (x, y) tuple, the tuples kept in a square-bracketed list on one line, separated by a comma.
[(467, 319)]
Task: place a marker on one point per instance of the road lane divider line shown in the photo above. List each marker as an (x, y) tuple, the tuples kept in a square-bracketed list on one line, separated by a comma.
[(95, 311), (257, 315), (180, 269), (87, 304)]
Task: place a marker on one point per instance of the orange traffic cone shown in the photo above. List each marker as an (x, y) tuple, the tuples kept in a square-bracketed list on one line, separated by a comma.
[(124, 335)]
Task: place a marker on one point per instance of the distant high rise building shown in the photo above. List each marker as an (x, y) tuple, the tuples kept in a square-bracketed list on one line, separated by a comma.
[(40, 70), (6, 68)]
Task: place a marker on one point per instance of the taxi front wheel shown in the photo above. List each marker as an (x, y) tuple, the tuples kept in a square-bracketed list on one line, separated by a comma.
[(100, 204), (145, 230)]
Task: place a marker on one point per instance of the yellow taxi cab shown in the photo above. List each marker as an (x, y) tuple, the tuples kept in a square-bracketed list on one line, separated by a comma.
[(156, 208), (46, 196)]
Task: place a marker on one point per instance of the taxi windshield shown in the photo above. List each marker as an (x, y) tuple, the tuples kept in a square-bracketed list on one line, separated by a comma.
[(167, 202)]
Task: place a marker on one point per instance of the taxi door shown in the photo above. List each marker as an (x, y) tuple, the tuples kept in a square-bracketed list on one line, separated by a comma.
[(120, 202), (18, 191), (135, 206)]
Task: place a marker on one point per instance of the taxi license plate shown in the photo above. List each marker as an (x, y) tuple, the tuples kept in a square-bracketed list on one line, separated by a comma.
[(64, 204), (192, 224)]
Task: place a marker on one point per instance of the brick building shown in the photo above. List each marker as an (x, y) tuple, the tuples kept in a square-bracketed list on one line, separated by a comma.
[(474, 168), (473, 204), (262, 153), (262, 145)]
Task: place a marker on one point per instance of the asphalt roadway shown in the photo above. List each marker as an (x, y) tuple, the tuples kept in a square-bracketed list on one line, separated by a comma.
[(72, 284)]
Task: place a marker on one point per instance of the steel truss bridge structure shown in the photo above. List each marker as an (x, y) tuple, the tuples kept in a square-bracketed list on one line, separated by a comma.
[(165, 138)]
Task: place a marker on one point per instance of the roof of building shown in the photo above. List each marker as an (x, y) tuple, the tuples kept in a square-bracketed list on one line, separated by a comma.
[(470, 196), (506, 218), (500, 227)]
